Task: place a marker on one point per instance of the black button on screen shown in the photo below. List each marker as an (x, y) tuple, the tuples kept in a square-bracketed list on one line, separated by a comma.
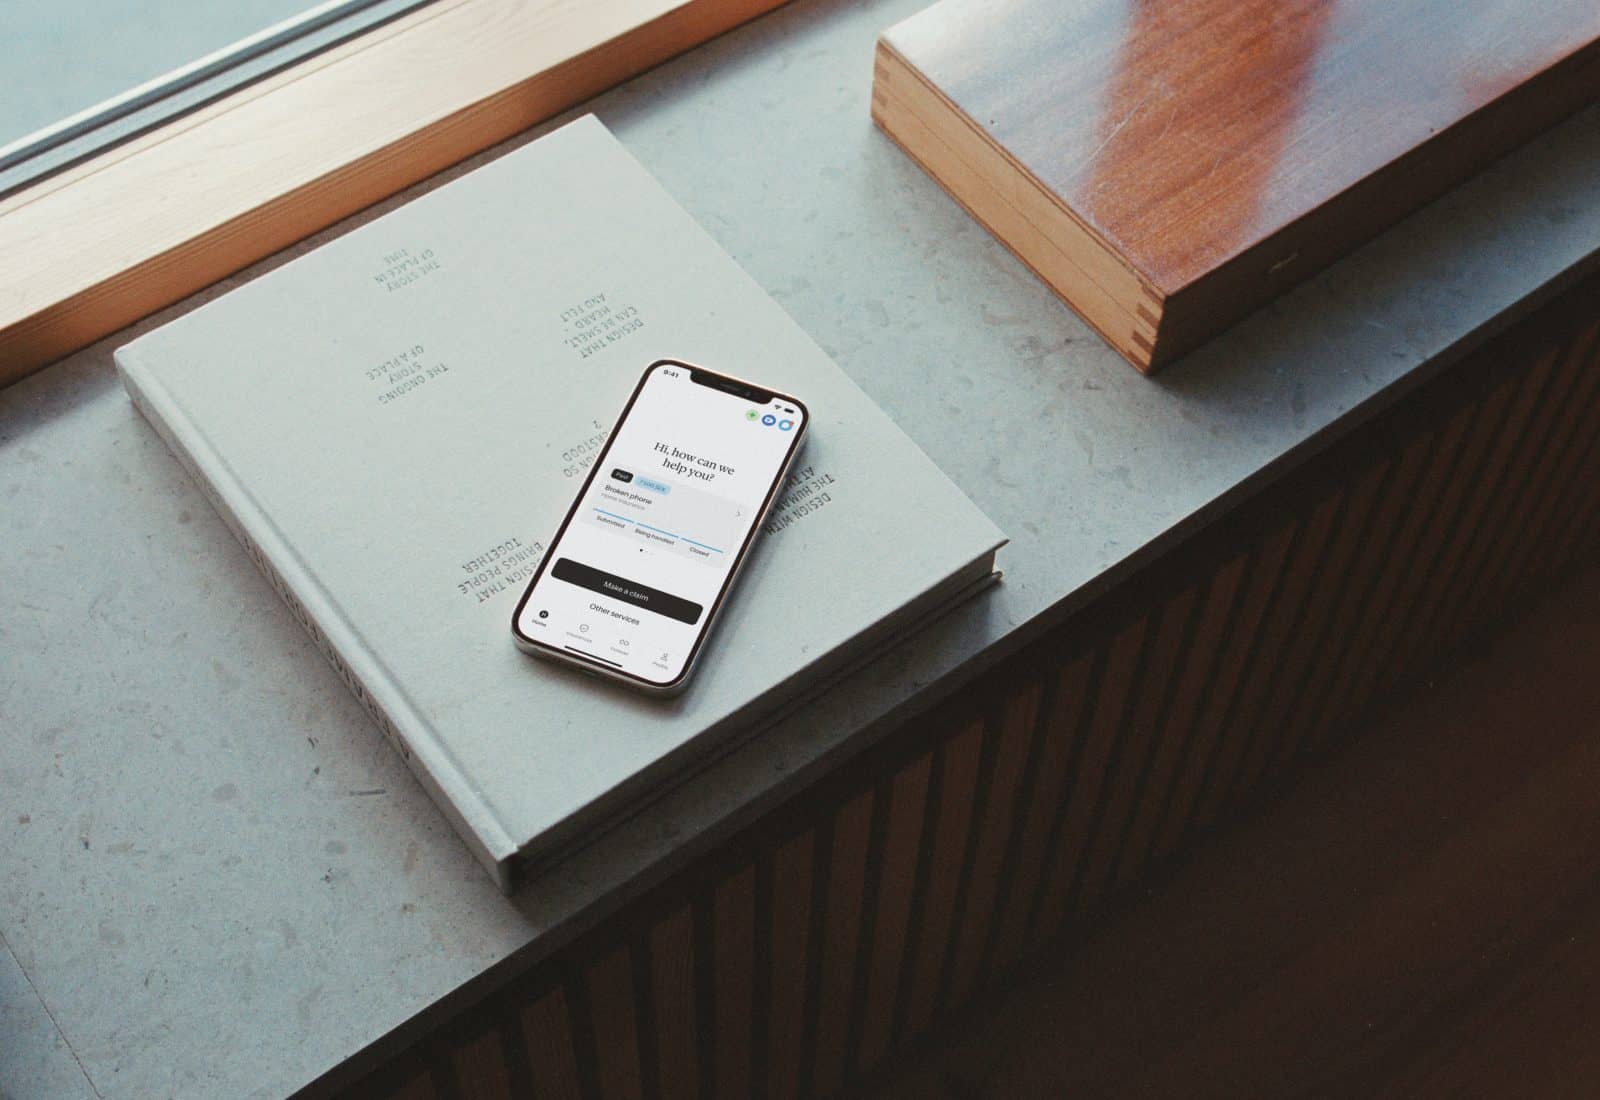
[(622, 475), (629, 592)]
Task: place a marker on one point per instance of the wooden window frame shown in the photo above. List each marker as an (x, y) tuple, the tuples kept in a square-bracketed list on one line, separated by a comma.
[(92, 249)]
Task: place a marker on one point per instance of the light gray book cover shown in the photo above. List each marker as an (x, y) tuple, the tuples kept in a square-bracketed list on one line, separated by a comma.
[(396, 422)]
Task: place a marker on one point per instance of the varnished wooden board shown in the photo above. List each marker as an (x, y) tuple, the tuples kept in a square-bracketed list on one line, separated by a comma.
[(1188, 159), (148, 223)]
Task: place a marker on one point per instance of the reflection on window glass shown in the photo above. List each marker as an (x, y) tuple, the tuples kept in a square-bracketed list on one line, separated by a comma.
[(83, 75), (62, 56)]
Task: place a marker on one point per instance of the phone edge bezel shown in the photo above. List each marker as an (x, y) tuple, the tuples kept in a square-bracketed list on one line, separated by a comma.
[(677, 684)]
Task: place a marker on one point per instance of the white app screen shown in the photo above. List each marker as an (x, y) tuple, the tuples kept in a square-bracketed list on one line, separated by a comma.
[(644, 558)]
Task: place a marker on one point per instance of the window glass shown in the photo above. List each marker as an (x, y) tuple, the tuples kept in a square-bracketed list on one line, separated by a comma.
[(62, 56), (82, 75)]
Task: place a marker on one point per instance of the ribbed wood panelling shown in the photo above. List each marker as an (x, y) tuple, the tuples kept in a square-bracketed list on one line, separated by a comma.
[(841, 925)]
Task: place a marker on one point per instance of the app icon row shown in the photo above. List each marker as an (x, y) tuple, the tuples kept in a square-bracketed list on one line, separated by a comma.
[(768, 419)]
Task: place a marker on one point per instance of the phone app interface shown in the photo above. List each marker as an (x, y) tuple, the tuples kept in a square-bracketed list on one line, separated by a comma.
[(656, 533)]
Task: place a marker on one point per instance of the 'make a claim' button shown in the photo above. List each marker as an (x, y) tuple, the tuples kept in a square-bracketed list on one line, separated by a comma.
[(629, 592)]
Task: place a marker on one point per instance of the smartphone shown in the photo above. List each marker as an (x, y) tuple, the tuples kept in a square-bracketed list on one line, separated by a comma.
[(649, 550)]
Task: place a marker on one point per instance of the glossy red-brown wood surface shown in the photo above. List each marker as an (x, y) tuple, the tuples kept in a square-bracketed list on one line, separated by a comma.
[(1184, 132)]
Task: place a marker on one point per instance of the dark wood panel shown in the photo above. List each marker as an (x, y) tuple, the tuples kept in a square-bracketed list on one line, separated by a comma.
[(838, 928), (1490, 458), (1418, 918), (1012, 726), (734, 972), (1269, 662), (672, 990), (1120, 668), (481, 1068), (551, 1048), (1063, 697), (1284, 720), (1223, 742), (938, 878), (1442, 449), (1168, 809), (1504, 542), (609, 987), (1129, 781), (792, 874), (904, 827), (1402, 474), (838, 931)]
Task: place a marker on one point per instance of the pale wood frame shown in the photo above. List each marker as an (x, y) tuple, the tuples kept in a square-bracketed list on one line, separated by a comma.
[(95, 248)]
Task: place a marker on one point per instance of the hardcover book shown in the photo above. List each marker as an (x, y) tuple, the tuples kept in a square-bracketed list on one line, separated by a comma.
[(395, 423), (1168, 167)]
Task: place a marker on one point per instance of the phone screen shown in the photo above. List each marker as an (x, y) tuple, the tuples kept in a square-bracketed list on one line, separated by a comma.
[(648, 551)]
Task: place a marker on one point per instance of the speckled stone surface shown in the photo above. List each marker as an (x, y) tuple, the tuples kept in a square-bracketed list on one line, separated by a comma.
[(34, 1057), (220, 879)]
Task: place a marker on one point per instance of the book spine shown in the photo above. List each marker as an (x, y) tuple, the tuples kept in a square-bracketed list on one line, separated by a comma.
[(211, 479), (297, 608)]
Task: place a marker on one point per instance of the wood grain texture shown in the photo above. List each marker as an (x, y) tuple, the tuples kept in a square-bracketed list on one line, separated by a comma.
[(902, 837), (148, 223), (1168, 165), (672, 988), (1001, 829), (546, 1031), (1418, 918)]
